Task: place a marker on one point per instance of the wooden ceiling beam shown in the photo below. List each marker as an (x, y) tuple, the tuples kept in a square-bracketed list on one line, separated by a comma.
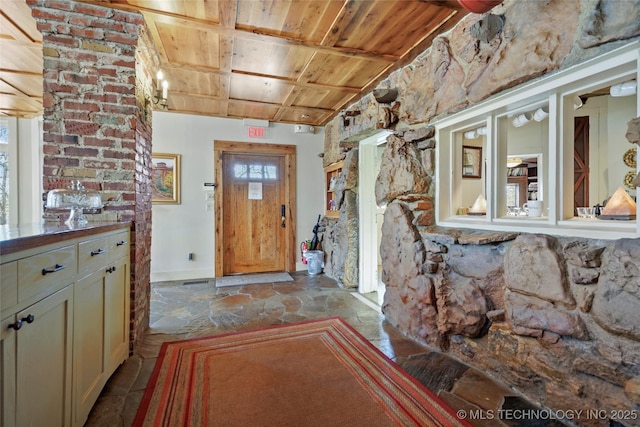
[(254, 103), (295, 83), (452, 18), (250, 34)]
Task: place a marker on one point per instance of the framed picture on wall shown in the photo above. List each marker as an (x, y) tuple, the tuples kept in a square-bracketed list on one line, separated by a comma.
[(471, 162), (165, 178)]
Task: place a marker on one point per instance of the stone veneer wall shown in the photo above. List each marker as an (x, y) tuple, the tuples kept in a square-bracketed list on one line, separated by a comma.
[(556, 318), (97, 126)]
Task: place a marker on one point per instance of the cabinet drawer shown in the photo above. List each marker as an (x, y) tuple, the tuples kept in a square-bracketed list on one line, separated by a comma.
[(93, 254), (118, 245), (8, 286), (47, 272)]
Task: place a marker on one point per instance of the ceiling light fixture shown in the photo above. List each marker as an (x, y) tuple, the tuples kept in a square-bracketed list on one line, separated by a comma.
[(577, 102), (522, 119), (512, 162), (471, 134), (541, 114), (624, 89)]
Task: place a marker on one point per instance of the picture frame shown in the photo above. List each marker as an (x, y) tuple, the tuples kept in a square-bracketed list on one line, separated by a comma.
[(165, 178), (471, 162)]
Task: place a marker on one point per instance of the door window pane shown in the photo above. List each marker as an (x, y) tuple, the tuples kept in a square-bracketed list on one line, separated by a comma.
[(255, 171)]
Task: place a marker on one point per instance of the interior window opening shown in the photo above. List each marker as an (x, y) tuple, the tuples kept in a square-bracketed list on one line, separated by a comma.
[(548, 156), (470, 170), (603, 160), (523, 139)]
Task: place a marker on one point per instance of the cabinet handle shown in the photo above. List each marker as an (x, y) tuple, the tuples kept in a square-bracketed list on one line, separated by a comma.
[(97, 252), (16, 326), (53, 269), (29, 319), (120, 243), (111, 269)]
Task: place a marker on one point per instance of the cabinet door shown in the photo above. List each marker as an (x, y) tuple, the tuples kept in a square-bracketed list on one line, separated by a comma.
[(7, 373), (43, 362), (116, 311), (89, 374)]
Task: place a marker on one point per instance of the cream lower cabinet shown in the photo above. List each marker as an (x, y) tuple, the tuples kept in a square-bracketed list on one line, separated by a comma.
[(117, 297), (65, 328), (36, 364), (101, 333), (101, 310)]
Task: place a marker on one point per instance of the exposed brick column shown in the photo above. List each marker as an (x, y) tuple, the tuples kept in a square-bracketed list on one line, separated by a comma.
[(96, 126)]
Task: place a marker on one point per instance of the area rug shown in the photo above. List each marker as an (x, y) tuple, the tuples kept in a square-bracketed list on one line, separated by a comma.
[(315, 373), (250, 279)]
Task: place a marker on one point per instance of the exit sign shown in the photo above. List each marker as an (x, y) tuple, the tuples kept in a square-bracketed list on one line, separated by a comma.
[(255, 131)]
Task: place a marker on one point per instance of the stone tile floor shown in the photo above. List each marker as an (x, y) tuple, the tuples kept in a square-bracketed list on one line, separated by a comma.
[(182, 310)]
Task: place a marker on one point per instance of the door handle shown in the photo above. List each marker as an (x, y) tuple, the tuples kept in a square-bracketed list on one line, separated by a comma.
[(283, 215)]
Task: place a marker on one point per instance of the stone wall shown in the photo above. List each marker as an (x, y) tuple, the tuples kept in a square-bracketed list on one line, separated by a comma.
[(98, 67), (555, 318)]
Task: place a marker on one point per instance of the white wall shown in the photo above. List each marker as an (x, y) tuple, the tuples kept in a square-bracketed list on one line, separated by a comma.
[(189, 227), (621, 111), (608, 118)]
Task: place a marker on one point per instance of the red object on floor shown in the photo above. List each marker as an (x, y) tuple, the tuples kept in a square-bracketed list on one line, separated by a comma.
[(479, 6)]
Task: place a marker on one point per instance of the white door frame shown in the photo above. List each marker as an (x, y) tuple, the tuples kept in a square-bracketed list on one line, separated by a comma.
[(367, 209)]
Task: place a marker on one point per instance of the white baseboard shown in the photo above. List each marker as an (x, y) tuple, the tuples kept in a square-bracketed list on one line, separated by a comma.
[(169, 276)]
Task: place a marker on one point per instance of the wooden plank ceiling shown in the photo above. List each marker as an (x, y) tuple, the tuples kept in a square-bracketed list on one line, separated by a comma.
[(291, 61), (20, 61)]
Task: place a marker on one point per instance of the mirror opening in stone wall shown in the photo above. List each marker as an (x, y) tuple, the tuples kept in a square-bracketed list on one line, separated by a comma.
[(524, 136), (603, 158), (553, 145)]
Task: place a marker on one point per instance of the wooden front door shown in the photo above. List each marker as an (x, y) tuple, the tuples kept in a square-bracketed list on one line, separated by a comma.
[(255, 185), (581, 162)]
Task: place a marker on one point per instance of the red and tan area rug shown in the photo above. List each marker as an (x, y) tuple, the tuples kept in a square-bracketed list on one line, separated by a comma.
[(317, 373)]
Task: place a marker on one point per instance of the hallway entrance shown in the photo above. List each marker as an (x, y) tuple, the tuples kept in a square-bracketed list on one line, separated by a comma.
[(370, 215)]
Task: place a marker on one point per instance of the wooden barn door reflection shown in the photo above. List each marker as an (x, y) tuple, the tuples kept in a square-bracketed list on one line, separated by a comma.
[(581, 162)]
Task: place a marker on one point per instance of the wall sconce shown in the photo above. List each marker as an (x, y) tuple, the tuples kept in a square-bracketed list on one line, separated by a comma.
[(512, 162), (160, 94), (624, 89), (522, 119)]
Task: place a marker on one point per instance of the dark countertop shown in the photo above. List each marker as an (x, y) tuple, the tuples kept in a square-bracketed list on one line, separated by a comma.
[(14, 239)]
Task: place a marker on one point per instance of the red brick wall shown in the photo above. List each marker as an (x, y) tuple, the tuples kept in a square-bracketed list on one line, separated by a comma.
[(96, 125), (146, 63)]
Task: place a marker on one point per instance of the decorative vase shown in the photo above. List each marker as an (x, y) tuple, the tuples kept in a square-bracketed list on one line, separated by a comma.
[(479, 6)]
